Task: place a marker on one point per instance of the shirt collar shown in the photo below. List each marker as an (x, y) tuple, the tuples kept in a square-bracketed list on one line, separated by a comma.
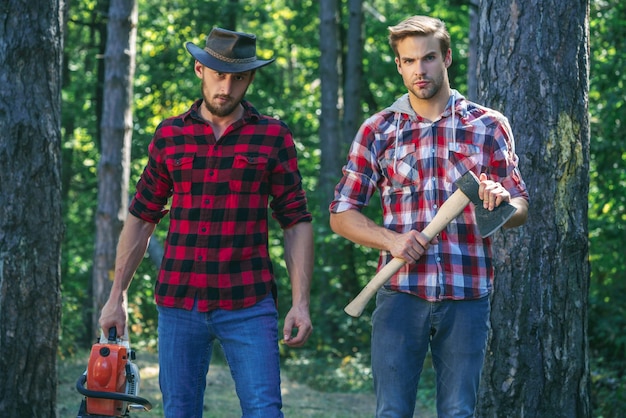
[(249, 112)]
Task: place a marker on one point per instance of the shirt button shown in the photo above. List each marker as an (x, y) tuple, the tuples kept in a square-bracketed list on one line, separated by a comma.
[(203, 229)]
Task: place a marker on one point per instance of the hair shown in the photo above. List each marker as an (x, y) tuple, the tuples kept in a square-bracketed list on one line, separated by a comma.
[(419, 26)]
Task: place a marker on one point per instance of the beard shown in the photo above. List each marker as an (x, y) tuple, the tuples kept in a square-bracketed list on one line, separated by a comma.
[(430, 91), (224, 109), (225, 106)]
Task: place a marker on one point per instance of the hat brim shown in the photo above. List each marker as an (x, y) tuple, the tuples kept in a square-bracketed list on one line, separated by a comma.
[(213, 63)]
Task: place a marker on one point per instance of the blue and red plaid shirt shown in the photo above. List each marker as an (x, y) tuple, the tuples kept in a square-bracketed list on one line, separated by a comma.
[(217, 244), (413, 163)]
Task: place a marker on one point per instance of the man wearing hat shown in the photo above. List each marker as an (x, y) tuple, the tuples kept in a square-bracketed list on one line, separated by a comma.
[(222, 164)]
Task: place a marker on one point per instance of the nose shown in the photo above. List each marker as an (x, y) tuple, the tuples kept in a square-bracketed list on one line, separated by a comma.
[(419, 68), (226, 84)]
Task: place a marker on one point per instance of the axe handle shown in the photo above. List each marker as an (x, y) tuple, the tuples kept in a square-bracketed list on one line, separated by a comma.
[(450, 209)]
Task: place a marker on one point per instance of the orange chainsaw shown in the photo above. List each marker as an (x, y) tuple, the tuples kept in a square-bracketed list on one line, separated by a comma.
[(111, 379)]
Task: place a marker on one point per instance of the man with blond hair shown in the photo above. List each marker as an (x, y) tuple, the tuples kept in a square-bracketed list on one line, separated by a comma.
[(412, 153)]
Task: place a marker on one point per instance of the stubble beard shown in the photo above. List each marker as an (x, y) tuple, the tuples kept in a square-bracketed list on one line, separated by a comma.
[(226, 108), (223, 110), (430, 91)]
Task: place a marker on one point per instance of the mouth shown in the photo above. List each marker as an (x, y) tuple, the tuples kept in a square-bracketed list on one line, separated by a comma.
[(421, 84), (222, 99)]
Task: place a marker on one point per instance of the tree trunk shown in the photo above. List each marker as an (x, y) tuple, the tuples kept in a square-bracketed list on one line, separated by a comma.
[(31, 226), (533, 66), (472, 56), (116, 130), (330, 128), (353, 77)]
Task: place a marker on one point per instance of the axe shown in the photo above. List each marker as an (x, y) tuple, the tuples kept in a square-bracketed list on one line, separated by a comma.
[(487, 221)]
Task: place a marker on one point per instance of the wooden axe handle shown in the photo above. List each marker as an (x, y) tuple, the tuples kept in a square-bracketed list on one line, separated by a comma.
[(450, 209)]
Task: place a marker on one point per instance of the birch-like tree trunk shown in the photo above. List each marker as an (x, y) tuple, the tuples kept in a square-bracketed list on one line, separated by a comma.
[(31, 226), (533, 67), (116, 134)]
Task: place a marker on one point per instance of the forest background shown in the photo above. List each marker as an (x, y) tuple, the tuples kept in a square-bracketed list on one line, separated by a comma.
[(337, 357)]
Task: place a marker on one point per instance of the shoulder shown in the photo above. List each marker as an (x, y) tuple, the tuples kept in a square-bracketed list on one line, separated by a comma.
[(272, 123), (379, 121), (489, 117)]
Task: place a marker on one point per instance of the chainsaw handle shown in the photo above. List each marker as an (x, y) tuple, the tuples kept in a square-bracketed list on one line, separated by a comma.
[(80, 387), (112, 335)]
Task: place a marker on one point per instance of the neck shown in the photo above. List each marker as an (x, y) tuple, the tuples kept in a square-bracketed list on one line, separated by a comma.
[(225, 120), (219, 124), (433, 107)]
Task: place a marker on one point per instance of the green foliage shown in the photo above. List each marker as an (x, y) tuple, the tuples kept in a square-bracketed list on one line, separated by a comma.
[(607, 207), (607, 200), (608, 391)]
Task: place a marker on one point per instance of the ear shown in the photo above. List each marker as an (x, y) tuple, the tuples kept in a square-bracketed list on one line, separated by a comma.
[(198, 68), (398, 66), (448, 59)]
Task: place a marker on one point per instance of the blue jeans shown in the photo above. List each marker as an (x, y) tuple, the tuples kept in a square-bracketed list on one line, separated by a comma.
[(249, 338), (403, 328)]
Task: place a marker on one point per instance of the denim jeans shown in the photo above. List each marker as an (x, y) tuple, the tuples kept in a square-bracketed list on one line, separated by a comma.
[(249, 338), (403, 329)]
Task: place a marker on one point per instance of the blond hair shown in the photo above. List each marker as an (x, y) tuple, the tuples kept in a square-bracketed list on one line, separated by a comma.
[(419, 26)]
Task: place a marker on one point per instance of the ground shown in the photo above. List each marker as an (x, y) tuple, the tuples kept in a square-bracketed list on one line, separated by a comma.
[(299, 401)]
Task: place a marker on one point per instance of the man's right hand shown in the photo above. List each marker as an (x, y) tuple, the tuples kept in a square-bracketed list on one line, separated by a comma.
[(114, 314), (410, 246)]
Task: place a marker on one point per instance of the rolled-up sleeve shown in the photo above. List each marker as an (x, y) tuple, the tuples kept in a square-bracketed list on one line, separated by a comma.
[(154, 187)]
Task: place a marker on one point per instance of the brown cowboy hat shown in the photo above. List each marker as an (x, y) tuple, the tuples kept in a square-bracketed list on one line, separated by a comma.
[(228, 52)]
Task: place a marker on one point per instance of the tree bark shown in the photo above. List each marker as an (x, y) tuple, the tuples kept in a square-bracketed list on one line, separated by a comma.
[(353, 76), (533, 67), (116, 131), (474, 30), (31, 226), (330, 128)]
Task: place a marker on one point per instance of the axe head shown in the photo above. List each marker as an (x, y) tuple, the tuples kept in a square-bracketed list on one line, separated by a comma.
[(488, 221)]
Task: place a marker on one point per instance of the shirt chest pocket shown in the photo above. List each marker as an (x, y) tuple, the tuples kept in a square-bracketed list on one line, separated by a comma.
[(181, 172), (248, 173), (462, 158), (399, 165)]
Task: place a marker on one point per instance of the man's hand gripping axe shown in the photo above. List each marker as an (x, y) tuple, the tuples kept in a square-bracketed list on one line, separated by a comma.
[(488, 221)]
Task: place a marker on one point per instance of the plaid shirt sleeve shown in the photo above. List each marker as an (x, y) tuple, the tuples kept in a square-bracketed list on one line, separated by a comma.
[(289, 203), (155, 187), (360, 175)]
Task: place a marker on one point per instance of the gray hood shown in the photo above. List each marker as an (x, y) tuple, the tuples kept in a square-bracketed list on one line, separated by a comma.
[(402, 106)]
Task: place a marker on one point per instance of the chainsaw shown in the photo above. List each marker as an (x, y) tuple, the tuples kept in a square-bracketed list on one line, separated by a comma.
[(111, 379)]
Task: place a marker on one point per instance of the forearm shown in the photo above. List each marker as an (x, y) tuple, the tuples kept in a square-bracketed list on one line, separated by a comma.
[(360, 229), (298, 242), (521, 214), (131, 249)]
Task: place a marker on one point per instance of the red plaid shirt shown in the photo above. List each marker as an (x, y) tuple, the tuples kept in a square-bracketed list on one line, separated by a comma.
[(414, 163), (217, 245)]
